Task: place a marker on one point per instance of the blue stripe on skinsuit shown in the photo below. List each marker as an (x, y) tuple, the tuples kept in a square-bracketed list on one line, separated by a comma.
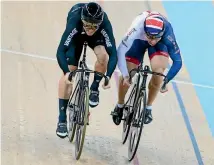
[(193, 24)]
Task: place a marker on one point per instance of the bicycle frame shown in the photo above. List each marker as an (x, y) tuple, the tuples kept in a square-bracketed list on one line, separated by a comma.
[(137, 84), (135, 116), (84, 68), (141, 83), (82, 81), (143, 73), (83, 78), (78, 120)]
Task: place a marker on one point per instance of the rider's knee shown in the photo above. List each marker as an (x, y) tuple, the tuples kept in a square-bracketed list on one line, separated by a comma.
[(72, 67), (130, 66), (158, 70), (102, 58), (155, 81), (154, 84), (102, 55), (102, 62), (63, 78), (158, 62)]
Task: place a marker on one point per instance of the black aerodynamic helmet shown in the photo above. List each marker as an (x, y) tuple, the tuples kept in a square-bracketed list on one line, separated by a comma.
[(92, 13)]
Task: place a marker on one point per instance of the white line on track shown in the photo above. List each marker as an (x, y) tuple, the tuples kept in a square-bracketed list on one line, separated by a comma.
[(54, 59)]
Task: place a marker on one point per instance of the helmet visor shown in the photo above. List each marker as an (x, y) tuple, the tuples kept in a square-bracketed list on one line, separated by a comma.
[(152, 36), (91, 20), (89, 25)]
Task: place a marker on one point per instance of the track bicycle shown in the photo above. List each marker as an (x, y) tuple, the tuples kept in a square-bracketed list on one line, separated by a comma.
[(134, 108), (78, 104)]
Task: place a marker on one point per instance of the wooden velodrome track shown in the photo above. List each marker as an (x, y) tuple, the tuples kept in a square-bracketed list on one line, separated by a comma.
[(30, 35)]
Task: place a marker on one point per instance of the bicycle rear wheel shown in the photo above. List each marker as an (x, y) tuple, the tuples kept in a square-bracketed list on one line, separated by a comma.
[(137, 126), (82, 120)]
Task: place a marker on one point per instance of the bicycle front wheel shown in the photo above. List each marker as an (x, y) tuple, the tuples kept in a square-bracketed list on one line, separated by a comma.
[(137, 126), (71, 125), (73, 109), (82, 120), (128, 113), (128, 108)]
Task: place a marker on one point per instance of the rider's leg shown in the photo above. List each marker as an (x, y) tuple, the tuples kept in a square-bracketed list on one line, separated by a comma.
[(65, 90), (159, 62), (122, 90), (100, 66), (134, 56)]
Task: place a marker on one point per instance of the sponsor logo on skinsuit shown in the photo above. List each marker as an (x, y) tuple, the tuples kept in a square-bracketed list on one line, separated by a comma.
[(108, 43), (74, 31), (130, 33), (177, 50)]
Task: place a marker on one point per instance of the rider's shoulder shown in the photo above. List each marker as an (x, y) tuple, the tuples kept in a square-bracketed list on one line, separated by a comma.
[(75, 10), (74, 14), (106, 21), (77, 7)]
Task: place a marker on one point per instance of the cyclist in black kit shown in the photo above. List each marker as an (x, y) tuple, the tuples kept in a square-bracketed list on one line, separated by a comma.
[(85, 22)]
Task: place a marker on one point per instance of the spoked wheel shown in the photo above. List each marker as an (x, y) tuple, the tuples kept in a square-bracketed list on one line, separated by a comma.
[(128, 113), (82, 120), (72, 124), (136, 126), (126, 124), (73, 109)]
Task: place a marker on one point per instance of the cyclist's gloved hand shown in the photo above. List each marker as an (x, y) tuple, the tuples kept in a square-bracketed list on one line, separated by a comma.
[(106, 84), (164, 87)]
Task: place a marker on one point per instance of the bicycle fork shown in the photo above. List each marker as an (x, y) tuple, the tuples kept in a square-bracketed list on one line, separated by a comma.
[(142, 93)]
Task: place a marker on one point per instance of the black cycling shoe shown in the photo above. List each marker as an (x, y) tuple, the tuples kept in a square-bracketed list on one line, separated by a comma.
[(94, 98), (61, 130), (117, 115), (148, 117)]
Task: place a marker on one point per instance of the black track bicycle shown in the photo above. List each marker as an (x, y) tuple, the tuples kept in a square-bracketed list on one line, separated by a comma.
[(78, 105), (134, 108)]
